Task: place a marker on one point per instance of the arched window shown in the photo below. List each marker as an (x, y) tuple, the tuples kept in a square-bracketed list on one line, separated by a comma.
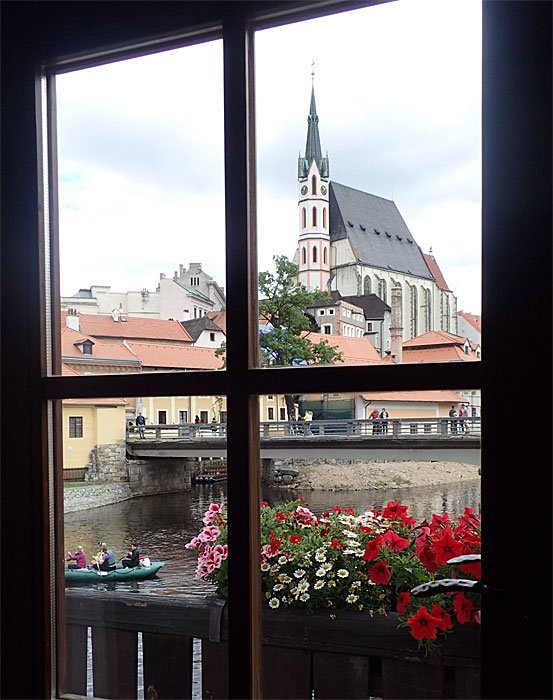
[(303, 217), (324, 217), (303, 255), (314, 217), (414, 314), (367, 285), (383, 290), (315, 254), (324, 255), (314, 184)]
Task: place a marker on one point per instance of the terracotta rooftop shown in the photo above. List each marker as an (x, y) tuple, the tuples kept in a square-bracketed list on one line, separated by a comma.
[(175, 356), (474, 319), (415, 396), (356, 351), (432, 339), (101, 351), (137, 328), (437, 273), (220, 318)]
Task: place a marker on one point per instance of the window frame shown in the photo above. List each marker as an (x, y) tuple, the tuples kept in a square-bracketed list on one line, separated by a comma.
[(517, 70)]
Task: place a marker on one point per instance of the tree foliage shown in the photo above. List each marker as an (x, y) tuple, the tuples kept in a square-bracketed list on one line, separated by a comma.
[(283, 302)]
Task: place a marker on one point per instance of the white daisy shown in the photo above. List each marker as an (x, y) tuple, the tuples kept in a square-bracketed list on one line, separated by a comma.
[(299, 573), (318, 585), (342, 573), (274, 602)]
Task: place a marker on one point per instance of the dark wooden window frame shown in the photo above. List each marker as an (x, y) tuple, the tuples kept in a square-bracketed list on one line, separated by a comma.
[(516, 245)]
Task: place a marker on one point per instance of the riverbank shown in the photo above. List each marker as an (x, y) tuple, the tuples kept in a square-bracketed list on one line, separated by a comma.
[(342, 475)]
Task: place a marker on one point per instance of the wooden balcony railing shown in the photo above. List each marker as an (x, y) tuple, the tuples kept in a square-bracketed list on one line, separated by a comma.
[(309, 656)]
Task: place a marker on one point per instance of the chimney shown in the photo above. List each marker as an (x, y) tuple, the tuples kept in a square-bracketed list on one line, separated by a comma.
[(72, 319), (396, 327)]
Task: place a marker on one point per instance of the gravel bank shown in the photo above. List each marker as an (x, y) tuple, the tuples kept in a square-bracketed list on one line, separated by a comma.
[(379, 475)]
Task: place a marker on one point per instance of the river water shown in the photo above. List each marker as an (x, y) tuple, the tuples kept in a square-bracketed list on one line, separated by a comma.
[(163, 524)]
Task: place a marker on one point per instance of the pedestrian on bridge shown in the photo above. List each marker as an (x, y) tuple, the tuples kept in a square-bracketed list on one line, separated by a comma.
[(384, 415), (140, 424), (453, 414), (374, 416)]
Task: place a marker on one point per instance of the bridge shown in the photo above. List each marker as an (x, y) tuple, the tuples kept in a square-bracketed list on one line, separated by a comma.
[(395, 439)]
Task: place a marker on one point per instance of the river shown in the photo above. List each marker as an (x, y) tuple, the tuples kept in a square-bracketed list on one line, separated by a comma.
[(163, 524)]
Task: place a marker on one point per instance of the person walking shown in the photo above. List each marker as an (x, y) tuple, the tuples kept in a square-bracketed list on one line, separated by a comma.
[(307, 421), (384, 415), (140, 424), (374, 416), (453, 414), (463, 415)]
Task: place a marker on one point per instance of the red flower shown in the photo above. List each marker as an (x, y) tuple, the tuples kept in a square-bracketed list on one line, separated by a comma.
[(349, 511), (335, 543), (394, 511), (423, 625), (366, 530), (372, 548), (463, 608), (263, 504), (295, 538), (443, 616), (445, 547), (439, 521), (380, 573), (394, 542), (403, 601), (428, 558), (336, 509), (324, 532), (280, 516), (474, 569)]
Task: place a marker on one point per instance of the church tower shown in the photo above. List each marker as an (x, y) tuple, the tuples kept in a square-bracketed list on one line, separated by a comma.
[(314, 236)]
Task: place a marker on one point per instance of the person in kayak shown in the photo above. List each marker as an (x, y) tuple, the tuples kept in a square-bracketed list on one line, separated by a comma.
[(107, 559), (133, 557), (76, 560)]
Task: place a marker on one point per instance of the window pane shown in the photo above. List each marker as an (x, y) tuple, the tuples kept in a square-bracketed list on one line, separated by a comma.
[(345, 498), (382, 209), (138, 536), (141, 212)]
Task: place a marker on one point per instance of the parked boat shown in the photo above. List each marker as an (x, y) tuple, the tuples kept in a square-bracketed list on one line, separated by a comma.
[(137, 573)]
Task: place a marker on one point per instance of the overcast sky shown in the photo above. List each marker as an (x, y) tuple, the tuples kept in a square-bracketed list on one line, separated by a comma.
[(398, 91)]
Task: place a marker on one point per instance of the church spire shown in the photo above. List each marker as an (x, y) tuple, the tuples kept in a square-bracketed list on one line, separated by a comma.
[(313, 150)]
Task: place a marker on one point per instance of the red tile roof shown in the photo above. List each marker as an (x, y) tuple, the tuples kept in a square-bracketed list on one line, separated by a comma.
[(175, 356), (474, 319), (101, 351), (356, 351), (433, 338), (415, 396), (103, 326), (435, 270), (220, 318)]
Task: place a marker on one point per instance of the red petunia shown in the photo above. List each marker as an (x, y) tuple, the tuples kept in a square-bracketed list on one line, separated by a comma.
[(443, 616), (445, 547), (295, 538), (394, 511), (336, 509), (394, 542), (380, 573), (403, 601), (439, 521), (335, 543), (280, 516), (463, 608), (428, 558), (365, 529), (423, 625), (372, 548)]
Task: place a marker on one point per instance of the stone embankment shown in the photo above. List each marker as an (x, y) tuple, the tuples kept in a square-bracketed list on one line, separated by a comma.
[(76, 498), (355, 475)]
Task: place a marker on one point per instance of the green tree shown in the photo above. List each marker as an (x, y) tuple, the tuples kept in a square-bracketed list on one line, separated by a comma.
[(283, 302)]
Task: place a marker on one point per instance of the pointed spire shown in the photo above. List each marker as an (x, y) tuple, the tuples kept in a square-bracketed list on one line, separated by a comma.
[(313, 150)]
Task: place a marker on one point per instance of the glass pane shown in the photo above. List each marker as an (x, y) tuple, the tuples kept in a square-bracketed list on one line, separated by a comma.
[(357, 512), (379, 216), (142, 503), (141, 212)]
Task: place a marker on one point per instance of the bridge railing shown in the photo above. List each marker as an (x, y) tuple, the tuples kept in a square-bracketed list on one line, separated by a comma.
[(346, 428)]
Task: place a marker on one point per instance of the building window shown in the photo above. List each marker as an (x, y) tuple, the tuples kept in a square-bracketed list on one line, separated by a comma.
[(369, 325), (324, 217), (327, 329), (270, 413), (367, 285), (322, 312), (87, 347), (331, 312), (162, 417), (414, 309), (282, 413), (204, 416), (303, 256), (315, 254), (325, 255), (314, 216), (314, 184), (194, 281), (303, 217), (75, 426), (212, 337), (183, 416)]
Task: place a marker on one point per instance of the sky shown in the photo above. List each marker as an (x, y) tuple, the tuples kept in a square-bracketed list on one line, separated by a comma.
[(398, 93)]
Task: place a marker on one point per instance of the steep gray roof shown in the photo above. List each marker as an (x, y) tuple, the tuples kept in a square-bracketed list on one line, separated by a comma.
[(372, 305), (378, 234), (195, 326), (313, 150)]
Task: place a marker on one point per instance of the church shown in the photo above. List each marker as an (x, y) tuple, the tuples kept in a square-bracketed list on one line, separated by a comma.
[(357, 245)]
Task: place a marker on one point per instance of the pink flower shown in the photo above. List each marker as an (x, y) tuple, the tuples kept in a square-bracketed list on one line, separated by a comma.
[(213, 514), (194, 543), (209, 533)]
